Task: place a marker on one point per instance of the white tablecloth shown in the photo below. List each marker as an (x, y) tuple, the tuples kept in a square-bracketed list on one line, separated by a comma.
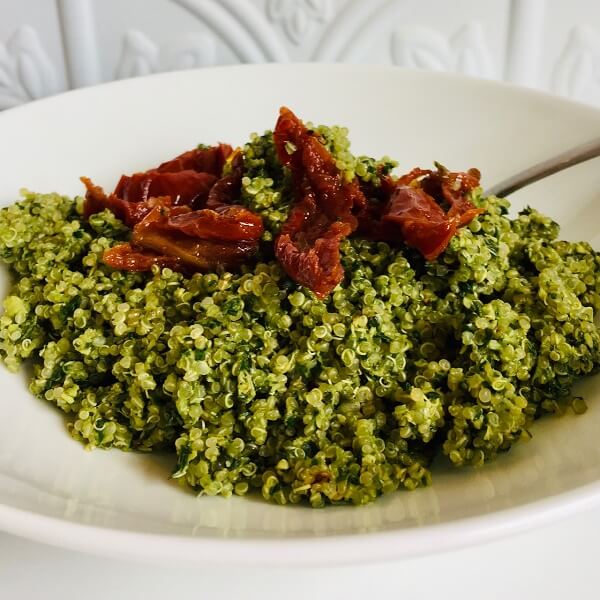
[(559, 561)]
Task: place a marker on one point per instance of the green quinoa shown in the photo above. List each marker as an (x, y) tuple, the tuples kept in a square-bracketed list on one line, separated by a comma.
[(259, 386)]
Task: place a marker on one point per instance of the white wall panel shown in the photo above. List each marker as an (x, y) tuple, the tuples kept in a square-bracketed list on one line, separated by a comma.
[(31, 52), (571, 49), (47, 46)]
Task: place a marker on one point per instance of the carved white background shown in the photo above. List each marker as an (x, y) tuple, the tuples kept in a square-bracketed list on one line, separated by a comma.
[(26, 71), (577, 72), (465, 51), (47, 46), (298, 17), (141, 56)]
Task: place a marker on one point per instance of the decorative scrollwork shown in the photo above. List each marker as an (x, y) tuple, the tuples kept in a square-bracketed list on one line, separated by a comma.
[(298, 17), (577, 71), (142, 56), (26, 72), (464, 52)]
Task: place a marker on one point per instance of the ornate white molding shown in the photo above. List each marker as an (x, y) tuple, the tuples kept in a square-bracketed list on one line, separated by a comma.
[(79, 39), (342, 30), (577, 72), (26, 72), (298, 17), (525, 39), (141, 56), (464, 52), (507, 39), (226, 26), (249, 16)]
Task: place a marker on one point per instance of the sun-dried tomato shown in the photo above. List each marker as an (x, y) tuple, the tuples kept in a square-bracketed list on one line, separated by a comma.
[(421, 221), (187, 240), (309, 241), (187, 188), (171, 226), (203, 160), (130, 213), (125, 258), (187, 180), (423, 209), (160, 233), (227, 223), (228, 188), (456, 188)]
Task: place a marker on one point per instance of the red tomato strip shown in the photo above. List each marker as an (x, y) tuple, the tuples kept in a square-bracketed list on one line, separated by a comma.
[(187, 188), (421, 221), (228, 246), (228, 188), (308, 244), (190, 241), (414, 209), (188, 178), (202, 160), (227, 223), (129, 212), (125, 258), (165, 207)]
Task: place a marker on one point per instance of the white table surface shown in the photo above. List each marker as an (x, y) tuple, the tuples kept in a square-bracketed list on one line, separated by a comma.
[(556, 561)]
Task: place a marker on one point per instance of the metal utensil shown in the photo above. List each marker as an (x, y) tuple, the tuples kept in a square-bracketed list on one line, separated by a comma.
[(553, 165)]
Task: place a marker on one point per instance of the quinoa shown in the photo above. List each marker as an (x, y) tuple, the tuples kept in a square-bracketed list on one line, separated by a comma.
[(257, 385)]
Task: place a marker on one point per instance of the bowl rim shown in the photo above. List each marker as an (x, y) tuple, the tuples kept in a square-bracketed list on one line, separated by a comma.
[(363, 68), (301, 551)]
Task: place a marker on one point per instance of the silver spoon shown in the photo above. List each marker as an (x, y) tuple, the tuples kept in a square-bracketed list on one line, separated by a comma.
[(560, 162)]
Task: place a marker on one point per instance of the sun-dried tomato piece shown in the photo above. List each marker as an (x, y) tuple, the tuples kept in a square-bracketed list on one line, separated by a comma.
[(421, 221), (227, 223), (227, 189), (424, 209), (156, 233), (308, 244), (187, 178), (184, 187), (160, 205), (456, 188), (315, 170), (412, 176), (125, 258), (203, 160), (316, 266), (130, 213), (195, 254), (186, 240)]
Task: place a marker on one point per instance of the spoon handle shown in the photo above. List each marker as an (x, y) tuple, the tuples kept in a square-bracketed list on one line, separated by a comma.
[(562, 161)]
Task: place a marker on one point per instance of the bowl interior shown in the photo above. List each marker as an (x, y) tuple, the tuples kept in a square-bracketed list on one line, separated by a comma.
[(414, 117)]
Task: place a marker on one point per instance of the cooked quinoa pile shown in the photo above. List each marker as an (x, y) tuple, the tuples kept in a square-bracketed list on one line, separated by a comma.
[(257, 385)]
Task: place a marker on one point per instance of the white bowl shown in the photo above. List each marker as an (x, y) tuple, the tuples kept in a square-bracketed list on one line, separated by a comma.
[(124, 504)]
